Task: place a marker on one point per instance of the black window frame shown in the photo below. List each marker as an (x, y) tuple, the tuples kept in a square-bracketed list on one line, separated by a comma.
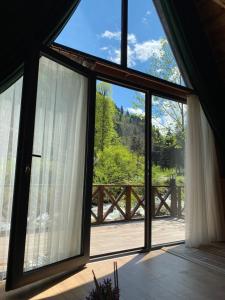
[(124, 45), (30, 74), (16, 276)]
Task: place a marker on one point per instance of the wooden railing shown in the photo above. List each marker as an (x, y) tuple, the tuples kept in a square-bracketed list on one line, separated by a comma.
[(113, 203)]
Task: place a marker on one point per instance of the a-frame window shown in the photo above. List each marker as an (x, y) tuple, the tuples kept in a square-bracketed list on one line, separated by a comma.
[(97, 27)]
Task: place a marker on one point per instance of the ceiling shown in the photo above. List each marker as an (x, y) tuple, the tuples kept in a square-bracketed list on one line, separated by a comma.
[(212, 18)]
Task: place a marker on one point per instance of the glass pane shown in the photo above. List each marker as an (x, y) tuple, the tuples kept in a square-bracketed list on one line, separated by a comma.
[(57, 174), (95, 28), (118, 204), (148, 48), (168, 142), (10, 102)]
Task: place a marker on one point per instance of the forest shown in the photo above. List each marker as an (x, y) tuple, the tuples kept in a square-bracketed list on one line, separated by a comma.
[(119, 152)]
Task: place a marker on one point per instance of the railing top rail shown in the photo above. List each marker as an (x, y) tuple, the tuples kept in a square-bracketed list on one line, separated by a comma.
[(132, 185), (115, 185)]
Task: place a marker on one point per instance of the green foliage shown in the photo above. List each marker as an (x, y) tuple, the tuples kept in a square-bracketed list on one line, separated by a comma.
[(164, 65), (105, 133), (120, 136), (131, 129), (116, 164), (161, 176)]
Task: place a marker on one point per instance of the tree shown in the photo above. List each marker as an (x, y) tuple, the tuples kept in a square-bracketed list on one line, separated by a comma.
[(166, 114), (116, 164), (164, 65), (105, 133), (168, 117)]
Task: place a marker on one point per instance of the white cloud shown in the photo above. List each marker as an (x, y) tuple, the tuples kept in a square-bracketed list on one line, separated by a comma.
[(117, 35), (131, 38), (136, 111), (144, 51), (104, 48), (137, 52), (140, 52), (145, 19), (115, 56), (111, 35), (130, 57)]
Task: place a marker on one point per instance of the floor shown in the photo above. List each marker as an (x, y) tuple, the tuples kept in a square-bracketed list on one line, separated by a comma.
[(116, 237), (120, 236), (157, 275)]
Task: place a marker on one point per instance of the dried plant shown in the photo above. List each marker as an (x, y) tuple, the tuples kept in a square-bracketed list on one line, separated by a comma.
[(104, 290)]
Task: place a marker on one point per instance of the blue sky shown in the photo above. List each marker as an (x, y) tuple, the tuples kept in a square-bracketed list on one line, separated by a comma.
[(95, 28)]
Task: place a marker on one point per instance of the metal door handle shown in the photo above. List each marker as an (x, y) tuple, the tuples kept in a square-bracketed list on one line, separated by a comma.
[(36, 155), (27, 170)]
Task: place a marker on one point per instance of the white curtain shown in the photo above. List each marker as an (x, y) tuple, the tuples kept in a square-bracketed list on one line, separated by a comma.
[(57, 176), (204, 206), (9, 123)]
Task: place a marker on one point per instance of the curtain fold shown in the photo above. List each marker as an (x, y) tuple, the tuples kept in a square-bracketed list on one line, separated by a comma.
[(204, 205), (10, 102), (57, 173)]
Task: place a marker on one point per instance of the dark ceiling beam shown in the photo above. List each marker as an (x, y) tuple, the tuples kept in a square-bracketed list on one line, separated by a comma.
[(220, 2)]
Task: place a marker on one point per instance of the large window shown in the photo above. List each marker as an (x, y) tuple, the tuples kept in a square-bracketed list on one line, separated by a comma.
[(98, 143), (95, 28)]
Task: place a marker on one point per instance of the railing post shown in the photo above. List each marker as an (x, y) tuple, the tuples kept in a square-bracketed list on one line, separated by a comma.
[(100, 204), (128, 202), (153, 201), (179, 213), (173, 197)]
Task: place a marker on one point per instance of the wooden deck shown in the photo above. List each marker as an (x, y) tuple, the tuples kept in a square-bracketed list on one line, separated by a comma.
[(127, 235)]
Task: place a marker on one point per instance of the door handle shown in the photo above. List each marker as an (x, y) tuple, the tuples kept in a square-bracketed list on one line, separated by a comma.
[(27, 170), (36, 155)]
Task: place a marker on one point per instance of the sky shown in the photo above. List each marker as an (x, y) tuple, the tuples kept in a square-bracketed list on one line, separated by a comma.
[(95, 28)]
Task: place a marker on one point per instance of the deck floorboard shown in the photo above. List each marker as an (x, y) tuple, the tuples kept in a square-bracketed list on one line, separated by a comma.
[(127, 235)]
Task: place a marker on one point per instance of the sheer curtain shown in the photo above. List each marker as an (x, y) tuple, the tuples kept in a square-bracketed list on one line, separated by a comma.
[(10, 101), (204, 206), (57, 173)]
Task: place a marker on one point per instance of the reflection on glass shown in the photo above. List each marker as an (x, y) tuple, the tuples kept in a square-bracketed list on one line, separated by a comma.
[(95, 28), (168, 141), (10, 101), (56, 190), (148, 48), (118, 205)]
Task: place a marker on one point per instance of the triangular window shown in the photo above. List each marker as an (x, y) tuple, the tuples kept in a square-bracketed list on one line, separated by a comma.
[(95, 28)]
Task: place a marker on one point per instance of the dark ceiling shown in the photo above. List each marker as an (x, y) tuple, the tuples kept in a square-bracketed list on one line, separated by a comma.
[(212, 18), (26, 22)]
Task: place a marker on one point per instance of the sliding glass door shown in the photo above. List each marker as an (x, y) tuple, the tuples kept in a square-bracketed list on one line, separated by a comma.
[(55, 217), (118, 201), (167, 163)]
